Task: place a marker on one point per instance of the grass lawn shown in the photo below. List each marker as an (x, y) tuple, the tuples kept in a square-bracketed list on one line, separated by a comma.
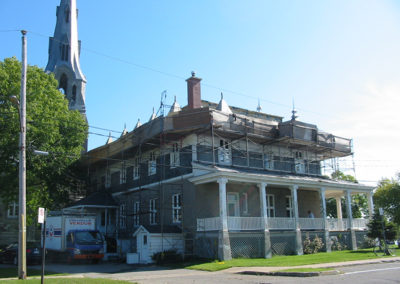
[(289, 260), (71, 281)]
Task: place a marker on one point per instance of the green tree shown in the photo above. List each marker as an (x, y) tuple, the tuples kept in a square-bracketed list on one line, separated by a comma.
[(387, 196), (51, 127), (376, 227), (341, 176), (359, 206)]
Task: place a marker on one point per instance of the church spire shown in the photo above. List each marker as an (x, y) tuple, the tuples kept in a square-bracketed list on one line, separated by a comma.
[(64, 52)]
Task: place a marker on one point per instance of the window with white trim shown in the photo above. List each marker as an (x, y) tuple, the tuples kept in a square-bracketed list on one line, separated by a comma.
[(153, 211), (176, 208), (299, 164), (289, 206), (115, 178), (122, 216), (244, 203), (123, 175), (12, 211), (224, 156), (269, 161), (136, 169), (174, 156), (152, 164), (271, 205), (136, 216)]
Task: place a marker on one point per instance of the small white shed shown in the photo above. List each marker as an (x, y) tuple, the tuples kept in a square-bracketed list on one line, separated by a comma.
[(147, 244)]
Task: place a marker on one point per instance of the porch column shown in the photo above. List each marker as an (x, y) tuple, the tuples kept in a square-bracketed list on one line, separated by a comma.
[(339, 212), (326, 229), (299, 242), (370, 205), (224, 245), (264, 216), (350, 220)]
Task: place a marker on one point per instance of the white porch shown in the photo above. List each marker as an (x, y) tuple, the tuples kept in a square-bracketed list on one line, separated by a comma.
[(300, 194), (279, 223)]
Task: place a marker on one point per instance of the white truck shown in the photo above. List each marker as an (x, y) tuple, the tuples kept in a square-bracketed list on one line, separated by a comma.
[(74, 237)]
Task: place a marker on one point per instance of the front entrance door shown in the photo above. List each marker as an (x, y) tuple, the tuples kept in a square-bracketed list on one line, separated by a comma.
[(143, 247), (233, 204)]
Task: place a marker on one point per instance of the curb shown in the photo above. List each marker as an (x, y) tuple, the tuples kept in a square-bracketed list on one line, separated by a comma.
[(313, 274), (291, 274)]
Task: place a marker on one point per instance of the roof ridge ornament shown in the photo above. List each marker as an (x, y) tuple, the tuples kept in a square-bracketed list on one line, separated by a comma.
[(109, 139), (125, 131), (138, 124), (153, 115), (259, 109), (223, 105), (294, 112), (174, 108)]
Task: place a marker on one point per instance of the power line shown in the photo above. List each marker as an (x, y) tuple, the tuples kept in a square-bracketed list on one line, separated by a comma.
[(169, 74)]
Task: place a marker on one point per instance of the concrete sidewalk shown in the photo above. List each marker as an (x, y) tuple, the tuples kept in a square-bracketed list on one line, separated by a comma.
[(268, 269)]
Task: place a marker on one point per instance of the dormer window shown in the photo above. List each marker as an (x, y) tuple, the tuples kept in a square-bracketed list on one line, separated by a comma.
[(299, 163), (224, 153), (298, 155), (152, 164), (269, 161), (174, 156)]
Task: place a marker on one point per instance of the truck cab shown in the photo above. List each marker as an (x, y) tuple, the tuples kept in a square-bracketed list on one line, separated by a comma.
[(84, 244)]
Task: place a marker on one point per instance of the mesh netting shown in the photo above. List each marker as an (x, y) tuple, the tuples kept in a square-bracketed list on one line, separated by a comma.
[(247, 244), (340, 240), (283, 243), (206, 245)]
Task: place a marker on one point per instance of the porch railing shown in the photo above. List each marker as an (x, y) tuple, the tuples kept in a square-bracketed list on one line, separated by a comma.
[(360, 223), (245, 223), (337, 224), (311, 223), (279, 223)]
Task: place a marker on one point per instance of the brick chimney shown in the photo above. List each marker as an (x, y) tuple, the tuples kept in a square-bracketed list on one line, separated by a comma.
[(194, 91)]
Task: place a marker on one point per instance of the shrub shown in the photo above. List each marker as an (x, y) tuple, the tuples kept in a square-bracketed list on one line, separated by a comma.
[(338, 243), (368, 243), (168, 256), (314, 246)]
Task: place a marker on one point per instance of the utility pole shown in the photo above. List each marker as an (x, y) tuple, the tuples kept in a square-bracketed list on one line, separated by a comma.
[(22, 167)]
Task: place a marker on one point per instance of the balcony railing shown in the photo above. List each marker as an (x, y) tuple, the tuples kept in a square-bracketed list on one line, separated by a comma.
[(278, 223)]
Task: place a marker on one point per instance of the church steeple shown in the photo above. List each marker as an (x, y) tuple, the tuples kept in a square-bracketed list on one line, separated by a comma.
[(64, 52)]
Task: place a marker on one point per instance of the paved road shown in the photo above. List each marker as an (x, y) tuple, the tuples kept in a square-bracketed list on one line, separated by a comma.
[(366, 273)]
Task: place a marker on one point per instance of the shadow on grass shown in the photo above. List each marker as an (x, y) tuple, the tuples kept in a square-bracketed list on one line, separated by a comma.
[(362, 251), (12, 272)]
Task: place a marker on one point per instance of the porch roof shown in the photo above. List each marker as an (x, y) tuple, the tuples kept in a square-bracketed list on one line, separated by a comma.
[(98, 199), (206, 174), (157, 229)]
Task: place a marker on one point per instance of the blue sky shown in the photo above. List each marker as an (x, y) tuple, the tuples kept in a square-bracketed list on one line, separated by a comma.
[(338, 60)]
